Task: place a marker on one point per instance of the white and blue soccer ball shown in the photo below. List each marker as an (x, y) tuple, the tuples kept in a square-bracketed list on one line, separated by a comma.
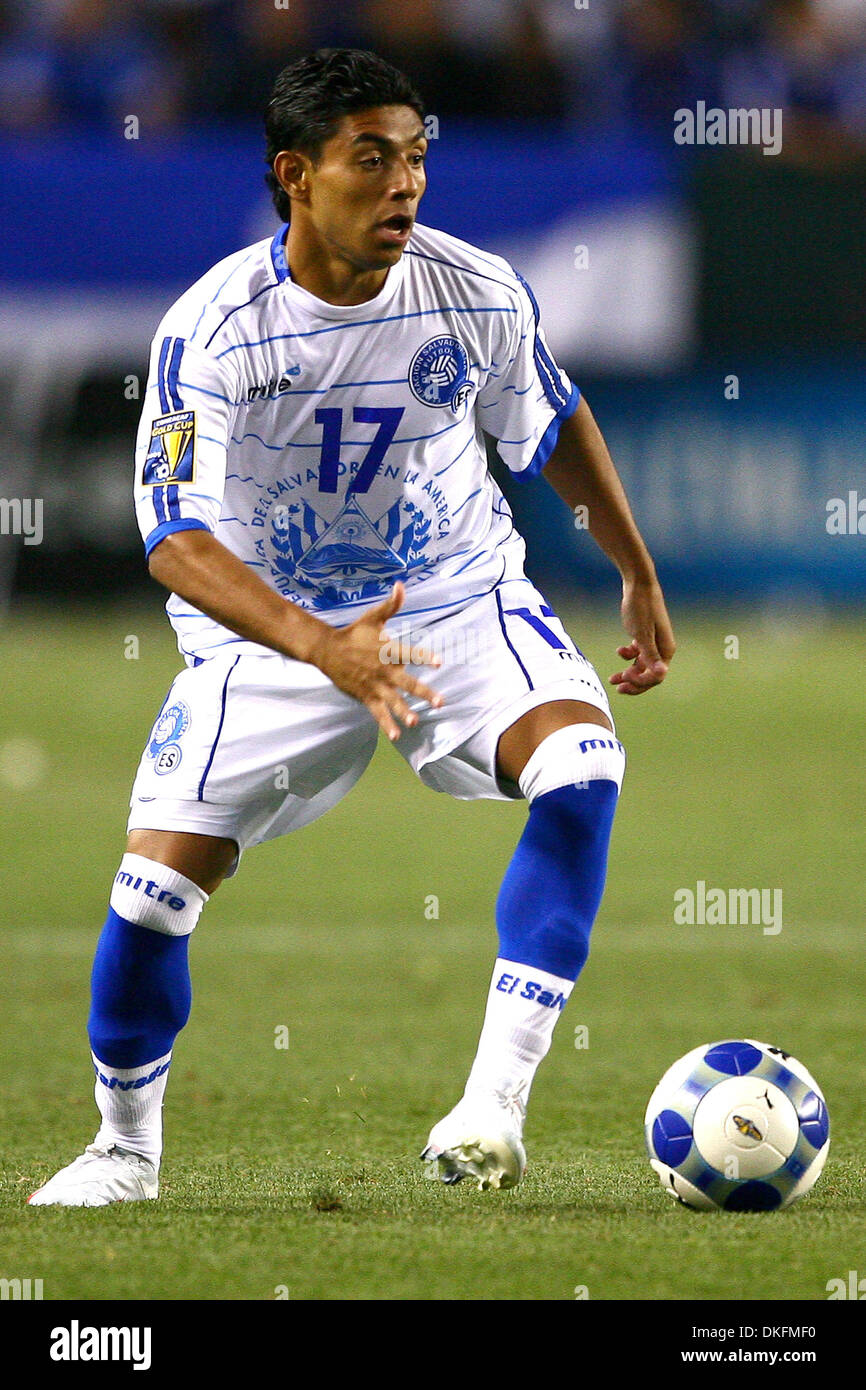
[(738, 1126)]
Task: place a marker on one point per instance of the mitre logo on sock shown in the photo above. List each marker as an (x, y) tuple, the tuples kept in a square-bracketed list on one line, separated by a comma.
[(533, 990), (148, 894), (151, 890)]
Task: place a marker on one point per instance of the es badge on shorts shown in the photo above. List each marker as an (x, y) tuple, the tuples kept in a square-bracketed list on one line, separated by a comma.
[(171, 452), (164, 746), (439, 374)]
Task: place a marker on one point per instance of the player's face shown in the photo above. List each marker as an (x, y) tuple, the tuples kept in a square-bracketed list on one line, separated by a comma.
[(365, 189)]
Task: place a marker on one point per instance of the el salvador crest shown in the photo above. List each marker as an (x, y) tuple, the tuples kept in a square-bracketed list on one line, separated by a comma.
[(164, 746), (353, 557), (439, 373)]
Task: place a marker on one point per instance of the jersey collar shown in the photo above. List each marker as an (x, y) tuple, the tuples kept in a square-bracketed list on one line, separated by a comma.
[(320, 308), (278, 254)]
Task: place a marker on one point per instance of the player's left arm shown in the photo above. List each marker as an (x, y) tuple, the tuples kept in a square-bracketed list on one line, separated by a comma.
[(581, 471)]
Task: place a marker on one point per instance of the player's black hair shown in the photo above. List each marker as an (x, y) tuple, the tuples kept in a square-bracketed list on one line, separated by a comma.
[(311, 97)]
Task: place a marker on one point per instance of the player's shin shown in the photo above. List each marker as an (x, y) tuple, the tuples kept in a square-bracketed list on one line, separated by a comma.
[(548, 902), (140, 999)]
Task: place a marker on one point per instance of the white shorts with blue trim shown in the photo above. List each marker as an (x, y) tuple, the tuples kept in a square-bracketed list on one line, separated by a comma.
[(249, 747)]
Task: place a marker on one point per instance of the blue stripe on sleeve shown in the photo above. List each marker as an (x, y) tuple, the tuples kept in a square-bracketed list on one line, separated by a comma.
[(158, 504), (160, 373), (550, 379), (547, 443), (543, 357), (173, 370), (173, 498), (159, 533)]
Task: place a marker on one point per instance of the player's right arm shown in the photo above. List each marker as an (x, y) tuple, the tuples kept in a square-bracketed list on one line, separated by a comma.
[(195, 565)]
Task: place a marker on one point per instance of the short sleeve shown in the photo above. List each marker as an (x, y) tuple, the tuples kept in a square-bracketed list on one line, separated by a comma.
[(526, 396), (181, 448)]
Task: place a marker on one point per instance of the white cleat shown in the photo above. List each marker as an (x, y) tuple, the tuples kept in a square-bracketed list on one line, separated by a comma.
[(481, 1138), (100, 1176)]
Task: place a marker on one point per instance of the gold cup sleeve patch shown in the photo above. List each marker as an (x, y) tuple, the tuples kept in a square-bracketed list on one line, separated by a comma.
[(171, 452)]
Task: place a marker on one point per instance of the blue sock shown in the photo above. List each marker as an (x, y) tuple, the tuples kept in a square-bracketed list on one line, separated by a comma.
[(140, 993), (553, 886)]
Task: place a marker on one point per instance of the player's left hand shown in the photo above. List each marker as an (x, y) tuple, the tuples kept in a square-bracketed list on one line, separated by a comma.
[(651, 649)]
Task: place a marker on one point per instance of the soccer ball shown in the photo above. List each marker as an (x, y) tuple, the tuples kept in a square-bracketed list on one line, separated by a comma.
[(737, 1125)]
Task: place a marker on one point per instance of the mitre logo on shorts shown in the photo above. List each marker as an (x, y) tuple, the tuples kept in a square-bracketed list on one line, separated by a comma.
[(439, 374), (171, 452), (164, 746)]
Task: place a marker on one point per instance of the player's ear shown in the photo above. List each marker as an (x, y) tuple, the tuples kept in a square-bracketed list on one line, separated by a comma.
[(292, 172)]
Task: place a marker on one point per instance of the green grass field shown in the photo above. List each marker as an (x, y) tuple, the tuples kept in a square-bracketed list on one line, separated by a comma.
[(294, 1169)]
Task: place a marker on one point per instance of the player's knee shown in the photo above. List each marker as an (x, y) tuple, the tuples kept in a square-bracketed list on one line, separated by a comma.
[(205, 859), (152, 895), (576, 755)]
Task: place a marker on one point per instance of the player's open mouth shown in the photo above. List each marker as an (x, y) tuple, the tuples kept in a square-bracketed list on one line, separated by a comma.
[(396, 229)]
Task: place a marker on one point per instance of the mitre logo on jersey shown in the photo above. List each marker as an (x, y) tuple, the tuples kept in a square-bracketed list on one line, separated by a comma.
[(171, 452), (439, 374), (277, 385)]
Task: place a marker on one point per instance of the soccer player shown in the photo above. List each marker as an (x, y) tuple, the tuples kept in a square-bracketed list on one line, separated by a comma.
[(312, 489)]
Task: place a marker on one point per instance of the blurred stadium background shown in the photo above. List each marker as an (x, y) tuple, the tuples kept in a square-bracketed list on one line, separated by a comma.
[(711, 302)]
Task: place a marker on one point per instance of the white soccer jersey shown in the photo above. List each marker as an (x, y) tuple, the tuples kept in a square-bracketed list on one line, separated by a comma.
[(335, 449)]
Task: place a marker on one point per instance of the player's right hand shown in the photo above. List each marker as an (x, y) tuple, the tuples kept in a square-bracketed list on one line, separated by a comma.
[(366, 662)]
